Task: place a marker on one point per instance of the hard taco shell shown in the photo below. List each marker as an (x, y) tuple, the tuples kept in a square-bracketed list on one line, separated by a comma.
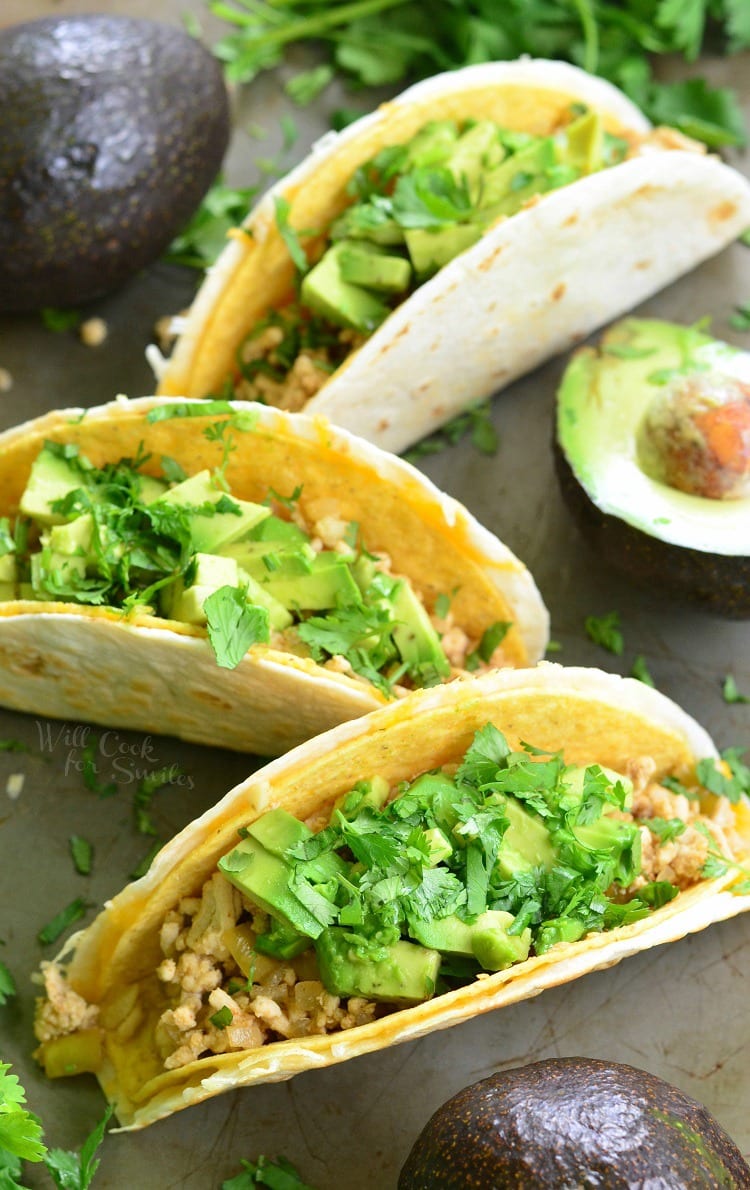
[(157, 675), (533, 285), (592, 716)]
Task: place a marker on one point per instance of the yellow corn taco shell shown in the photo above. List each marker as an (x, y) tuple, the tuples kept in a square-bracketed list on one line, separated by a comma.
[(535, 283), (592, 716), (69, 660)]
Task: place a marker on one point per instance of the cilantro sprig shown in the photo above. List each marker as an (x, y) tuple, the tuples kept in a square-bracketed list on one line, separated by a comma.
[(388, 42)]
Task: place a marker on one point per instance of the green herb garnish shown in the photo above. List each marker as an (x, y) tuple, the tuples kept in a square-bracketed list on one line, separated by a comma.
[(145, 863), (730, 692), (276, 1175), (222, 1018), (605, 632), (59, 321), (7, 986), (234, 625), (75, 1171), (199, 243), (20, 1131), (82, 854), (641, 671), (62, 921)]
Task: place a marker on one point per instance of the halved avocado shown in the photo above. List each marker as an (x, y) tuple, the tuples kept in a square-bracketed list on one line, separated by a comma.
[(653, 456), (569, 1122), (111, 130)]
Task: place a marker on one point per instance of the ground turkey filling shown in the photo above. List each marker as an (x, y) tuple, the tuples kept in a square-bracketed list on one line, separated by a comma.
[(270, 999)]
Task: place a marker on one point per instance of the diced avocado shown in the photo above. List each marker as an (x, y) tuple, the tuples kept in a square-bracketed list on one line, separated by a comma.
[(282, 943), (325, 292), (185, 603), (51, 478), (494, 948), (260, 559), (526, 843), (368, 223), (372, 794), (430, 249), (9, 591), (558, 929), (48, 568), (406, 976), (440, 793), (151, 489), (327, 583), (73, 537), (362, 263), (477, 150), (264, 878), (278, 830), (574, 775), (273, 528), (518, 178), (8, 568), (605, 834), (581, 143), (438, 844), (414, 636), (449, 934), (210, 532), (364, 569), (433, 144), (278, 616)]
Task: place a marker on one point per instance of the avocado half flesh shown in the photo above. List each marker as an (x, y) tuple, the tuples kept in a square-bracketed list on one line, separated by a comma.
[(632, 418), (573, 1122), (111, 131)]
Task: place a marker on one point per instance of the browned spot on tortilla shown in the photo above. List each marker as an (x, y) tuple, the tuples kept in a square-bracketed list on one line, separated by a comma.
[(28, 663), (643, 264), (213, 700), (724, 210), (384, 424), (571, 220), (399, 335), (558, 292), (488, 261)]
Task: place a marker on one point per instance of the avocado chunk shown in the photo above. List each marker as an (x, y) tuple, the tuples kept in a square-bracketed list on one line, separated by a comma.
[(572, 1122), (282, 943), (433, 145), (209, 532), (181, 601), (369, 265), (519, 178), (371, 794), (278, 831), (264, 878), (325, 291), (582, 142), (52, 477), (407, 975), (526, 843), (415, 638), (327, 582), (273, 528), (73, 537), (496, 949), (486, 939), (101, 116), (430, 248), (626, 412), (477, 150)]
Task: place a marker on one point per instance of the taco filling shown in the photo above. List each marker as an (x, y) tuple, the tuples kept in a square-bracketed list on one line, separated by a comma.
[(394, 895), (412, 208), (185, 548)]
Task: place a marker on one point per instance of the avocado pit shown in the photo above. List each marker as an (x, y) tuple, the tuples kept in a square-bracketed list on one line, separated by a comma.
[(695, 437)]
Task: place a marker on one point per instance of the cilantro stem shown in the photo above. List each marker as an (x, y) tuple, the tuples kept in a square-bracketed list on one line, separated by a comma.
[(590, 35), (306, 27)]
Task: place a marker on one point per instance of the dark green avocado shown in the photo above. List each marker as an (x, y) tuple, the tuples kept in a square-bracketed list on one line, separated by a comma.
[(653, 456), (111, 131), (570, 1124)]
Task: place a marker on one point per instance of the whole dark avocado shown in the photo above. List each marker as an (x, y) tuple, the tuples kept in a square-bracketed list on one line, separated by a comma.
[(111, 131), (569, 1124), (653, 456)]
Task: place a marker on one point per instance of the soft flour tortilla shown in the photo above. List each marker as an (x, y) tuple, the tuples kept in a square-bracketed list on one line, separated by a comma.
[(532, 286), (592, 716), (75, 662)]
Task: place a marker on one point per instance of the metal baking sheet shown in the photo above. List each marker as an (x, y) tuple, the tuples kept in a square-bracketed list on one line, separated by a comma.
[(678, 1012)]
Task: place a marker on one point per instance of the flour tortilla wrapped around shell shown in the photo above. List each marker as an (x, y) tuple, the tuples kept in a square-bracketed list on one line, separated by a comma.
[(70, 660), (591, 716), (534, 284)]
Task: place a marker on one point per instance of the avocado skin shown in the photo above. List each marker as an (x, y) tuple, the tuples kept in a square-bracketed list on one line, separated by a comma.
[(717, 583), (111, 131), (570, 1123)]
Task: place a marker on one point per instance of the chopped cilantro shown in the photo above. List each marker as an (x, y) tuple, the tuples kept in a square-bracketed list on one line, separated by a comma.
[(145, 863), (20, 1131), (82, 853), (199, 243), (289, 235), (641, 671), (234, 625), (59, 321), (666, 829), (13, 746), (75, 1171), (143, 796), (491, 638), (276, 1175), (740, 320), (731, 693), (475, 421), (222, 1018), (90, 770), (7, 986), (308, 84), (442, 605), (605, 632), (712, 779), (62, 921), (174, 409), (554, 646)]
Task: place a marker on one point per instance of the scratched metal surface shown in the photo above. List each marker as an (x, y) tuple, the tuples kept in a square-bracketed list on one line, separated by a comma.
[(678, 1012)]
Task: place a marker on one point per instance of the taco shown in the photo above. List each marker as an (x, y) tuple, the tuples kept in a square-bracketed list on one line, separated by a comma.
[(237, 576), (449, 242), (460, 850)]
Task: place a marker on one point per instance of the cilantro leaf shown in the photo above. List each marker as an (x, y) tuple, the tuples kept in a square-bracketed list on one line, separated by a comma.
[(199, 243), (740, 320), (234, 625), (20, 1130), (74, 1171), (7, 984), (62, 921), (222, 1018), (289, 235), (730, 692), (605, 632), (641, 671), (276, 1175), (82, 852)]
